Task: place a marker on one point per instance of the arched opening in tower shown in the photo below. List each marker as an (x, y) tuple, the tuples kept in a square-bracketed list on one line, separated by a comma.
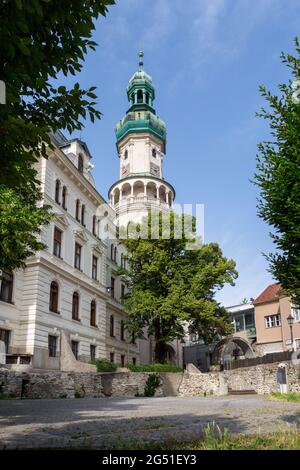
[(140, 96), (138, 189), (162, 194), (117, 196), (151, 190), (126, 191)]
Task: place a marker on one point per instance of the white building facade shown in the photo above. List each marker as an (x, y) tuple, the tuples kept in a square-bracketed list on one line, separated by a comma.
[(72, 286)]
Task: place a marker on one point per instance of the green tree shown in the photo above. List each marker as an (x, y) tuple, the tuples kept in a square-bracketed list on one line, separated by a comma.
[(171, 285), (40, 41), (278, 177)]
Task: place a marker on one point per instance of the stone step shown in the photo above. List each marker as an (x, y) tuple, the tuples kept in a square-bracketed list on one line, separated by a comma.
[(241, 392)]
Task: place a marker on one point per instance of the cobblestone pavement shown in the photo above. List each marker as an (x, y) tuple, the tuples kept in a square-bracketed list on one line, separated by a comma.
[(102, 423)]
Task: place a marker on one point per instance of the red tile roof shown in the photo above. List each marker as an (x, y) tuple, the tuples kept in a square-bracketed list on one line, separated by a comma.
[(270, 294)]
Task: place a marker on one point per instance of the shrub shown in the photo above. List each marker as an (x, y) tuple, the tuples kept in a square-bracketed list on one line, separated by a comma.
[(154, 368), (152, 384), (104, 365)]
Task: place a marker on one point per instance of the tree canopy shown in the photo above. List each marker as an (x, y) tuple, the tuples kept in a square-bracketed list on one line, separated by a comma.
[(278, 177), (40, 41), (172, 286)]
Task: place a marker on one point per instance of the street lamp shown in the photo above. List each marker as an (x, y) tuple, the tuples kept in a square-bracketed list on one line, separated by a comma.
[(290, 320)]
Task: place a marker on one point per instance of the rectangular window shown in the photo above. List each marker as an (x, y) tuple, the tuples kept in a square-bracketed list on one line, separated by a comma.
[(122, 331), (112, 326), (7, 283), (95, 267), (133, 338), (93, 351), (273, 321), (52, 343), (5, 336), (134, 361), (122, 291), (77, 258), (112, 357), (239, 321), (112, 287), (74, 346), (57, 242), (296, 313), (122, 360)]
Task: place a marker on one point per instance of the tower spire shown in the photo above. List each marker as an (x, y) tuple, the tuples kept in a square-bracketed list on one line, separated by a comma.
[(141, 61)]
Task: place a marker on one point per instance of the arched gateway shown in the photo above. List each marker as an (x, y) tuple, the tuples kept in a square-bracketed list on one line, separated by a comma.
[(230, 349)]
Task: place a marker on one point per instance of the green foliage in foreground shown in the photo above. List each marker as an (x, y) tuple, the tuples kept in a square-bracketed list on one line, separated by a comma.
[(153, 368), (216, 438), (104, 365), (152, 384), (20, 227), (278, 176), (291, 396), (42, 42)]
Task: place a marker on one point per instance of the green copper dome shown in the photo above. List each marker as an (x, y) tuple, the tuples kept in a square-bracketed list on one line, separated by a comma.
[(141, 116)]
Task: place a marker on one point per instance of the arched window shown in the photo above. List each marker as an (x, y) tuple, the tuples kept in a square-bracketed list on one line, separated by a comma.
[(115, 254), (154, 153), (80, 164), (112, 326), (57, 191), (64, 198), (126, 155), (140, 96), (7, 284), (53, 301), (94, 225), (147, 98), (82, 214), (75, 306), (111, 251), (77, 211), (93, 313)]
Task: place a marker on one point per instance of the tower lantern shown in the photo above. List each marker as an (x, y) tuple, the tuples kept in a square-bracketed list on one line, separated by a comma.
[(141, 144)]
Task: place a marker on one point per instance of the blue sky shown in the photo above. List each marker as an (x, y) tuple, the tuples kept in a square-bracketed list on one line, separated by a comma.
[(207, 59)]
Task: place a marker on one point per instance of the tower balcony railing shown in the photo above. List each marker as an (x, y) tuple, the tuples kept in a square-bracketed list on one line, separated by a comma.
[(148, 200), (141, 121)]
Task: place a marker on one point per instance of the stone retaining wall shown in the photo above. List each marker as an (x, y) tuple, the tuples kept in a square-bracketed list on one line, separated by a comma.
[(56, 384), (261, 378), (51, 384)]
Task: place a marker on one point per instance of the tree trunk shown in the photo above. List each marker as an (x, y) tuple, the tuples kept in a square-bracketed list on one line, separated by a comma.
[(160, 352)]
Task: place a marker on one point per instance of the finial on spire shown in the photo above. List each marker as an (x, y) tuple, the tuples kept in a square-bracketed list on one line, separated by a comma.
[(141, 62)]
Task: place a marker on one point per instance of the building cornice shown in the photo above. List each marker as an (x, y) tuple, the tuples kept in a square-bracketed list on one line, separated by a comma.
[(83, 184)]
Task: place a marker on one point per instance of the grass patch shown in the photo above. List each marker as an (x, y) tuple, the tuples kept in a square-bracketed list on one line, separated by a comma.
[(291, 396), (153, 368), (215, 438)]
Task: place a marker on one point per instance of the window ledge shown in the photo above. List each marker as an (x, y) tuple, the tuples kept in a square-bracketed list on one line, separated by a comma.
[(55, 313), (7, 302), (77, 320), (94, 326)]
